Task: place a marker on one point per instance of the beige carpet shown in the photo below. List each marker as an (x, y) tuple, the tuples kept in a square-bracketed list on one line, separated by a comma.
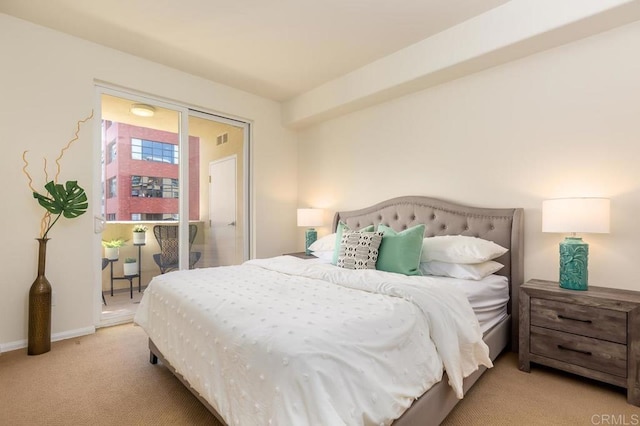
[(106, 379), (100, 379), (505, 395)]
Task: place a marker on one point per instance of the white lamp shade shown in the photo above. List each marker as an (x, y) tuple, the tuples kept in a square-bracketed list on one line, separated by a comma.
[(584, 215), (309, 217)]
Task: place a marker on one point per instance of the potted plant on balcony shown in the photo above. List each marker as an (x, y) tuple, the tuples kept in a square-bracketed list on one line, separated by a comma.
[(112, 248), (139, 234), (130, 266)]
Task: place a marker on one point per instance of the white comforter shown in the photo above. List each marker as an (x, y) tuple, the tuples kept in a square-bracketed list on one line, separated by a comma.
[(285, 341)]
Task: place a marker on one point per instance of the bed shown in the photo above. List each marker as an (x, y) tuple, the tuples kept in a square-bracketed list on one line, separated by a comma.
[(173, 344)]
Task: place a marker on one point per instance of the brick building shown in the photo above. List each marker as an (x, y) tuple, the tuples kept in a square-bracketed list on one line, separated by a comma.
[(141, 174)]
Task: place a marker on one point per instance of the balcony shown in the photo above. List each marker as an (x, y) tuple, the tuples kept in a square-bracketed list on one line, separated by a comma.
[(121, 292)]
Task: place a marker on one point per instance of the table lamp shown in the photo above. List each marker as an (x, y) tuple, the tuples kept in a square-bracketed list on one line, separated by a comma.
[(583, 215), (310, 218)]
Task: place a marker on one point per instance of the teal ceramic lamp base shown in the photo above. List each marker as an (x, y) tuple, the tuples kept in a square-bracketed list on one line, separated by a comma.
[(574, 254), (310, 236)]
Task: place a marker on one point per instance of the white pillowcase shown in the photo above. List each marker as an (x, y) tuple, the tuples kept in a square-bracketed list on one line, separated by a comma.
[(460, 249), (326, 243), (324, 255), (462, 271)]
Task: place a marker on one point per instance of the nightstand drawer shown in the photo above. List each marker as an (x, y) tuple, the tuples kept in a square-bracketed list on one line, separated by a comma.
[(587, 352), (588, 321)]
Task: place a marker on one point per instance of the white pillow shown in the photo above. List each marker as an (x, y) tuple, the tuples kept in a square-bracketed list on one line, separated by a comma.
[(324, 255), (464, 271), (325, 243), (460, 249)]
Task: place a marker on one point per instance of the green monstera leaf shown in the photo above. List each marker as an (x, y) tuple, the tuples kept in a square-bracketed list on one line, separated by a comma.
[(68, 200)]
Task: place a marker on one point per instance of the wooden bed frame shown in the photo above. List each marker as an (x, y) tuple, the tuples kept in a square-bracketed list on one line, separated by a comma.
[(503, 226)]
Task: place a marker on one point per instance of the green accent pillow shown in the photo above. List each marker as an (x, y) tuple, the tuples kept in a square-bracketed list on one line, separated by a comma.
[(342, 227), (400, 251)]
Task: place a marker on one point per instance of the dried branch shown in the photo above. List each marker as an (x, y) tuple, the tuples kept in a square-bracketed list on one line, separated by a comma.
[(45, 222), (24, 170), (44, 169), (76, 137)]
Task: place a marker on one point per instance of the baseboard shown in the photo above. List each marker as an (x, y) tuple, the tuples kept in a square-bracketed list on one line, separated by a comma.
[(20, 344), (118, 320)]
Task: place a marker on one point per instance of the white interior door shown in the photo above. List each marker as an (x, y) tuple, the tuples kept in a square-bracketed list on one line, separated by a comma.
[(223, 210)]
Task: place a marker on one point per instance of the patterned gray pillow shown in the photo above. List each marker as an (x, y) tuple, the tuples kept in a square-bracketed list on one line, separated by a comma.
[(359, 250)]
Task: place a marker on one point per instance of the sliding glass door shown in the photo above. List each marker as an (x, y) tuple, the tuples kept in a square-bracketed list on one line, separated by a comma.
[(221, 193), (180, 178)]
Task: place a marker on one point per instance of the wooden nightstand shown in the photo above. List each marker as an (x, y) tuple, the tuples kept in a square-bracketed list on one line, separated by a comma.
[(593, 333), (301, 255)]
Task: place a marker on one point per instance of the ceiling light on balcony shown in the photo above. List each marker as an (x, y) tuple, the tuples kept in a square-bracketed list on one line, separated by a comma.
[(142, 110)]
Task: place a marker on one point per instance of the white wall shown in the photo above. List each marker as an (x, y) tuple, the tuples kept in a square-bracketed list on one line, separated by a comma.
[(46, 85), (565, 122), (505, 33)]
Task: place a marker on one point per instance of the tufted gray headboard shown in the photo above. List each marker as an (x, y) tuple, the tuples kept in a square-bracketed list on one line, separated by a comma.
[(502, 226)]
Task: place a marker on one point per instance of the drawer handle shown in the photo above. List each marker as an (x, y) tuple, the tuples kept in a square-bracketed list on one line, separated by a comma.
[(574, 319), (564, 348)]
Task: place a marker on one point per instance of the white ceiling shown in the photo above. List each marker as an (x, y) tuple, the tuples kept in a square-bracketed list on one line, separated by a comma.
[(277, 49)]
